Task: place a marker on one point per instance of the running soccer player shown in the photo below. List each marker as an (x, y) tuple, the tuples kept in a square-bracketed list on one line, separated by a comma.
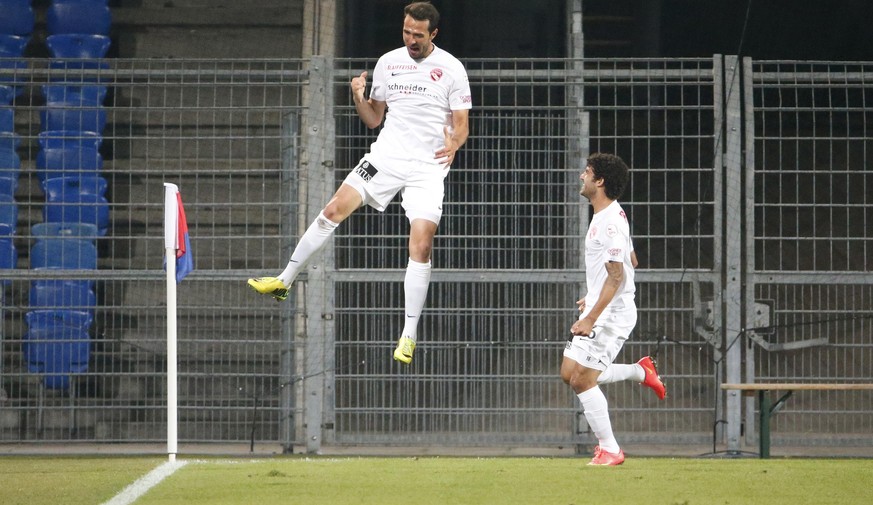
[(608, 312), (423, 94)]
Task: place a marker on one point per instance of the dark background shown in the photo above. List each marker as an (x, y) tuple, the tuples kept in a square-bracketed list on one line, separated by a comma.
[(840, 30)]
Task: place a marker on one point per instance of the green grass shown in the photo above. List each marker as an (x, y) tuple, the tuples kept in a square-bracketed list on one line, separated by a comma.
[(443, 480)]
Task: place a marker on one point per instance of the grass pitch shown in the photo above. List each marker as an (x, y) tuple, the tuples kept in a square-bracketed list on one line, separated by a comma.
[(442, 480)]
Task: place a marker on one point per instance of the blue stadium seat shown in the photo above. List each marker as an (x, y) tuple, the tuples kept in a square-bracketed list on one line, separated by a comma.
[(8, 216), (7, 119), (54, 230), (63, 253), (8, 185), (78, 16), (78, 45), (57, 345), (89, 95), (7, 94), (64, 294), (77, 200), (17, 18), (8, 257), (67, 153), (10, 164), (73, 118), (12, 46)]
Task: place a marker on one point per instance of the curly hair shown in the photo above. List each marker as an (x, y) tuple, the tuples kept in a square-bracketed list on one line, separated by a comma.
[(614, 172)]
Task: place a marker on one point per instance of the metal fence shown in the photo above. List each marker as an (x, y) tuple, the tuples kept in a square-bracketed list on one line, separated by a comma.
[(257, 148)]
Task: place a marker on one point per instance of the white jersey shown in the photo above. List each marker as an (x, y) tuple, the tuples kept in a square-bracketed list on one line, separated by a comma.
[(608, 240), (421, 96)]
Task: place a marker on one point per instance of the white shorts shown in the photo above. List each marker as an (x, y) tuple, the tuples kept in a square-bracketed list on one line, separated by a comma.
[(600, 349), (421, 185)]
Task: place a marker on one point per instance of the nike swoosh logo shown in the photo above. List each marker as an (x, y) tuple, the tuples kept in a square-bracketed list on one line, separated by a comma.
[(393, 74), (649, 370)]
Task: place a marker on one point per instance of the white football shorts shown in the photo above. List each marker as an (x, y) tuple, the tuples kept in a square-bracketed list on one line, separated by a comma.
[(421, 185), (600, 349)]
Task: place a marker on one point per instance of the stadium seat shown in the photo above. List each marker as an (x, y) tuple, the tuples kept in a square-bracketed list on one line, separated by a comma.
[(66, 153), (17, 18), (11, 49), (73, 118), (7, 120), (57, 345), (12, 46), (78, 45), (10, 163), (77, 200), (89, 95), (8, 216), (14, 76), (7, 94), (8, 257), (63, 253), (78, 16), (66, 294), (54, 230)]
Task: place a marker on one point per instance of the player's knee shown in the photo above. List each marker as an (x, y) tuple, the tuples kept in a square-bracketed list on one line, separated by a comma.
[(325, 222), (420, 249), (581, 382)]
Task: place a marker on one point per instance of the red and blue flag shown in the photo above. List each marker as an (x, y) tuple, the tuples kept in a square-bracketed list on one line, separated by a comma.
[(176, 232)]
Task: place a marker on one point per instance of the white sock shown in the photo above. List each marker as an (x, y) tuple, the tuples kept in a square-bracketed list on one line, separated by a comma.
[(615, 373), (597, 414), (415, 287), (310, 243)]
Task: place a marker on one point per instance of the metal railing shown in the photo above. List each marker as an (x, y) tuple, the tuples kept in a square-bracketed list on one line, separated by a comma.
[(257, 148)]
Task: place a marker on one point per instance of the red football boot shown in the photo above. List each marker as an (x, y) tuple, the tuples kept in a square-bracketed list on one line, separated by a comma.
[(652, 380), (603, 458)]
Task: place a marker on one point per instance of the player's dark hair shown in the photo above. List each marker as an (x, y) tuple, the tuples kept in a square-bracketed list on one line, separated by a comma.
[(423, 11), (612, 170)]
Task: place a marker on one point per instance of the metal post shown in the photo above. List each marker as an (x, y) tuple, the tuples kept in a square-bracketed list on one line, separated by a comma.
[(733, 245), (749, 242), (764, 406), (317, 162), (718, 238), (290, 192)]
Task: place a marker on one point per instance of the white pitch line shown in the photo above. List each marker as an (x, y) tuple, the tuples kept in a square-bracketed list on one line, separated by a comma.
[(129, 494)]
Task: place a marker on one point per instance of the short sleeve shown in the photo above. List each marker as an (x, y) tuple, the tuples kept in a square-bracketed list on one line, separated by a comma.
[(460, 96), (378, 90)]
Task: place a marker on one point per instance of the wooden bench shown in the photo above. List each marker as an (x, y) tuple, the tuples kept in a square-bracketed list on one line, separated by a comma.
[(766, 408)]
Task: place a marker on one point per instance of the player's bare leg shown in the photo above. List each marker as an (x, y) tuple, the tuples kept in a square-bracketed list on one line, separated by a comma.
[(345, 201)]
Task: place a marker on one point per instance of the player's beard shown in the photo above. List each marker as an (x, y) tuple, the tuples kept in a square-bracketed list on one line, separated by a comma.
[(415, 51)]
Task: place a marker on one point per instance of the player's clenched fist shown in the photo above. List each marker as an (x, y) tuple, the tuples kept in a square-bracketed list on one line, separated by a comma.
[(359, 84)]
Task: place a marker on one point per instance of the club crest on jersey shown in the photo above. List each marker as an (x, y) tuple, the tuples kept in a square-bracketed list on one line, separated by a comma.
[(366, 170), (436, 74)]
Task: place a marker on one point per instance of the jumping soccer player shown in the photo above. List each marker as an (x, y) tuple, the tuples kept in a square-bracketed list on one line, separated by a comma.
[(423, 94)]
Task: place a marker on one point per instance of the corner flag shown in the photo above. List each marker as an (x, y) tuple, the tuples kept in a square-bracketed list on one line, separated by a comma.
[(176, 231)]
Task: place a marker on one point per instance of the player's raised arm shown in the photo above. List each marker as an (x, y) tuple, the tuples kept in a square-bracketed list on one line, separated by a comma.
[(370, 111)]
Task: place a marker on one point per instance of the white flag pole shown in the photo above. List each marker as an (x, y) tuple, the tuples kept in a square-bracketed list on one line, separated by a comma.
[(171, 238)]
